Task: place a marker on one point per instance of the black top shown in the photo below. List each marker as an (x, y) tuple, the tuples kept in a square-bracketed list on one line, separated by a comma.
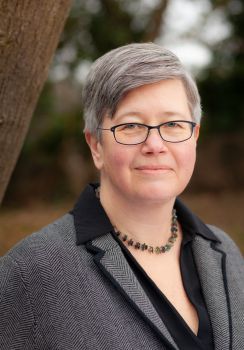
[(91, 221)]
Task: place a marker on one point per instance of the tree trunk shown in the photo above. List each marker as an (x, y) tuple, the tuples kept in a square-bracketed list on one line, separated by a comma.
[(29, 34)]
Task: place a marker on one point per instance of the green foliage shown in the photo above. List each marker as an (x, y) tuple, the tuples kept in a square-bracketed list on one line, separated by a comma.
[(221, 88)]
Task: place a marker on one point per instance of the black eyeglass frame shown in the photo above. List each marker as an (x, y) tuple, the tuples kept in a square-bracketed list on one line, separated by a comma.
[(149, 127)]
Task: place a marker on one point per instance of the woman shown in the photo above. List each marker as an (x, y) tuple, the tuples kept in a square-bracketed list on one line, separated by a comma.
[(130, 267)]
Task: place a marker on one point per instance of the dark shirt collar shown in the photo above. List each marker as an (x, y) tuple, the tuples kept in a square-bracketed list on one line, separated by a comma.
[(91, 221), (90, 218), (191, 224)]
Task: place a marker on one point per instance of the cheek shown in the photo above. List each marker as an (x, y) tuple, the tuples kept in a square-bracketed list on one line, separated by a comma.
[(186, 159), (117, 160)]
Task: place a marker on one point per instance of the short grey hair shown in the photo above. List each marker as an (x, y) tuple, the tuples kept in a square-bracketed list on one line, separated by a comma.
[(123, 69)]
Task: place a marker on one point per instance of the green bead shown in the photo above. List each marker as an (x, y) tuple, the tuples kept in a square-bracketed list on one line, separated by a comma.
[(157, 250)]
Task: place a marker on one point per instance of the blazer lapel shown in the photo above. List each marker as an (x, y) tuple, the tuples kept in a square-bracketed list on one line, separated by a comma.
[(210, 264), (112, 262)]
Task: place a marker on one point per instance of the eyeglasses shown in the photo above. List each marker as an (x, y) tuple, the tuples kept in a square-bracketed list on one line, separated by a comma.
[(136, 133)]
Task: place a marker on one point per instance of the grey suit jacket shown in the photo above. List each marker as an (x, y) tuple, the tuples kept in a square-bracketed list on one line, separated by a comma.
[(55, 294)]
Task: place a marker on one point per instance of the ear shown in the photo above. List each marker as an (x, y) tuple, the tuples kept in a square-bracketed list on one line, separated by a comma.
[(197, 131), (96, 149)]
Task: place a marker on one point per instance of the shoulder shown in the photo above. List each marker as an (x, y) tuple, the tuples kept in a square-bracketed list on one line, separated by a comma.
[(228, 246), (31, 274), (38, 258), (53, 234), (225, 240)]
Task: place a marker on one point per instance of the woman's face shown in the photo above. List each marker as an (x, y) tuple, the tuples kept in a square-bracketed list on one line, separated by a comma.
[(155, 170)]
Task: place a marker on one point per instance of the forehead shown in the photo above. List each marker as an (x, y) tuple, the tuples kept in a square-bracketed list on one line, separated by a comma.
[(160, 99)]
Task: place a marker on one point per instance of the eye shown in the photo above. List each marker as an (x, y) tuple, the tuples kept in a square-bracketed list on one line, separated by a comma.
[(129, 126), (172, 124)]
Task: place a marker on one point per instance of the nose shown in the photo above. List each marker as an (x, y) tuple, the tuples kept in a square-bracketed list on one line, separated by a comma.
[(154, 143)]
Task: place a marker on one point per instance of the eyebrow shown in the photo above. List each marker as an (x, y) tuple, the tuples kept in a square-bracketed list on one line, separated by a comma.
[(130, 113), (141, 114), (173, 114)]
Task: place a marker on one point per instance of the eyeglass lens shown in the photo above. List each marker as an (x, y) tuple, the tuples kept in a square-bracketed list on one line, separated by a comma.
[(134, 133)]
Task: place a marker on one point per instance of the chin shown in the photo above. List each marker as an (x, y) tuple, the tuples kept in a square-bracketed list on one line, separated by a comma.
[(158, 193)]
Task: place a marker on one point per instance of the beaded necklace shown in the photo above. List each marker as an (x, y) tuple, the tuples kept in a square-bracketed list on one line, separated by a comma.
[(143, 246)]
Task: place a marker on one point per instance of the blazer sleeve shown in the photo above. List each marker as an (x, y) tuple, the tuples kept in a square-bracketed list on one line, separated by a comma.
[(17, 322)]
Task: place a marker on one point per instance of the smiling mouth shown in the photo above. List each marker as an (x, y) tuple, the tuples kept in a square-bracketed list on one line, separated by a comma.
[(153, 168)]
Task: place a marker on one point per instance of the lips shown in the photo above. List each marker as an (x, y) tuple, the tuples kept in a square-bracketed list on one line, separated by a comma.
[(153, 167)]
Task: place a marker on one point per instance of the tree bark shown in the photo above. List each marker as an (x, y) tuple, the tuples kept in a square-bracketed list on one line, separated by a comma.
[(29, 34)]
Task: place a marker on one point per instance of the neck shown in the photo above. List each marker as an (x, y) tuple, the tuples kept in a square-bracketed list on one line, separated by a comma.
[(145, 222)]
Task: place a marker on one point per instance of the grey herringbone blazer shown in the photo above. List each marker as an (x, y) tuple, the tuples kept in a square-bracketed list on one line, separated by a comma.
[(55, 294)]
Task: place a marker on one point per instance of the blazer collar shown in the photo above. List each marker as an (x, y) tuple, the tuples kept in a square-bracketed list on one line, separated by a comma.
[(211, 266), (109, 257)]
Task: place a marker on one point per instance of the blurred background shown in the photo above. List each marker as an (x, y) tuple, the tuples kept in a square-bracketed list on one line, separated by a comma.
[(54, 166)]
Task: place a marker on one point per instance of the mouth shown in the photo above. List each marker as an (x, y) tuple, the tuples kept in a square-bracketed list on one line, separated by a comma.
[(153, 168)]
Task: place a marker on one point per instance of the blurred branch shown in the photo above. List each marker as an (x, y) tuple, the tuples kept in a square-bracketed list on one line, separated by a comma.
[(156, 20)]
